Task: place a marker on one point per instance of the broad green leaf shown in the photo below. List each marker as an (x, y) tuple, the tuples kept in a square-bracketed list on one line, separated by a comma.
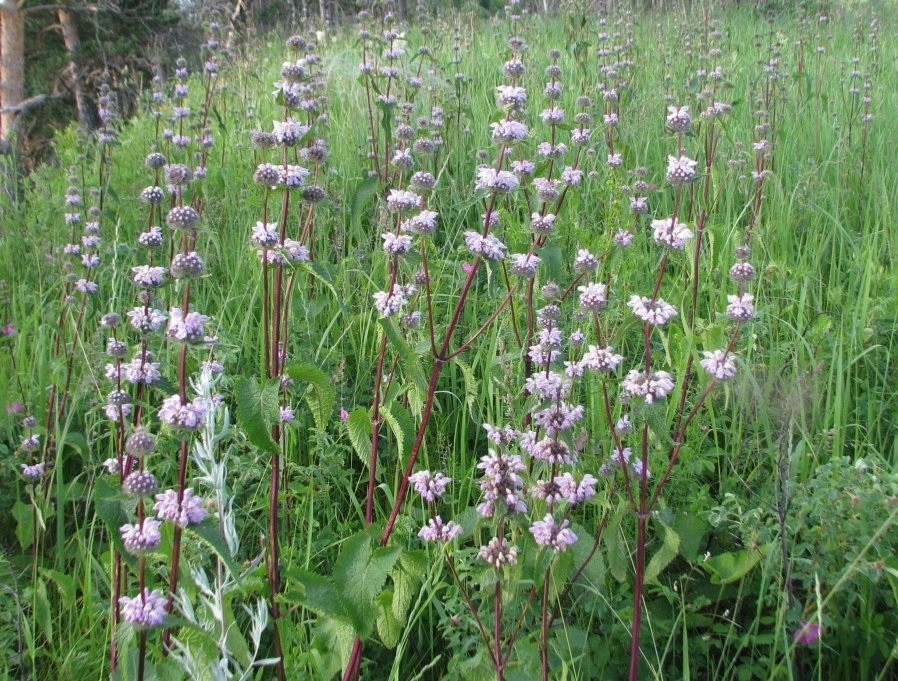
[(359, 576), (65, 583), (617, 552), (315, 592), (320, 394), (403, 427), (391, 421), (358, 427), (396, 340), (42, 611), (113, 514), (730, 567), (691, 529), (367, 188), (670, 544), (389, 629), (23, 512), (258, 410), (406, 575), (210, 533), (594, 572), (322, 272)]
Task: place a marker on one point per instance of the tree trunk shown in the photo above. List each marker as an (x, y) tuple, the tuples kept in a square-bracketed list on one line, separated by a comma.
[(12, 67), (87, 108)]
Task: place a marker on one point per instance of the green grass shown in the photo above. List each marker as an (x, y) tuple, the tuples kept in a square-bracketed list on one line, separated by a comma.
[(806, 430)]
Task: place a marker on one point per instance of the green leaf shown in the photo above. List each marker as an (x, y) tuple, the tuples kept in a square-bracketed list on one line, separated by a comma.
[(315, 592), (670, 544), (551, 257), (258, 409), (320, 394), (65, 583), (472, 387), (406, 575), (402, 426), (691, 529), (42, 611), (359, 576), (594, 572), (209, 531), (112, 512), (730, 567), (617, 552), (23, 512), (396, 340), (389, 629), (322, 272), (367, 188), (359, 428)]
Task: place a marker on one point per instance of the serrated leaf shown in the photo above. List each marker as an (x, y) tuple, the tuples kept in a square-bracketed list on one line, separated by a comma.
[(390, 419), (396, 340), (65, 583), (670, 544), (406, 575), (314, 592), (389, 629), (209, 531), (472, 388), (402, 426), (359, 428), (359, 576), (618, 562), (258, 409), (42, 611), (320, 394)]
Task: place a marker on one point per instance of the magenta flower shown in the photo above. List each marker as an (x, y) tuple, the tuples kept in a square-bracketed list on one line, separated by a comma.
[(9, 330), (807, 633)]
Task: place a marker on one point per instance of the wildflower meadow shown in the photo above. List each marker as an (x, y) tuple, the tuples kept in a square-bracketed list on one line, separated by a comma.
[(541, 343)]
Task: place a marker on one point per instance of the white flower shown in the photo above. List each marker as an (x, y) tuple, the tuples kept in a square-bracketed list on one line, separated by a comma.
[(719, 364), (601, 359), (651, 386), (488, 246), (656, 312), (670, 233), (396, 244)]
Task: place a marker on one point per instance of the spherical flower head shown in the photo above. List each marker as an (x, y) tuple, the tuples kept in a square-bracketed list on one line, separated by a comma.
[(720, 364), (508, 132), (513, 68), (670, 233), (571, 176), (576, 491), (498, 553), (152, 238), (189, 512), (183, 416), (265, 234), (424, 222), (639, 205), (140, 484), (295, 251), (511, 97), (422, 179), (288, 133), (592, 297), (402, 159), (111, 466), (33, 472), (187, 328), (187, 266), (547, 533), (178, 174), (524, 265), (154, 161), (268, 175), (615, 160), (741, 307), (31, 443), (681, 170), (542, 224), (140, 443), (145, 611), (651, 386), (148, 276), (141, 539), (601, 360), (656, 313), (116, 348), (501, 480), (390, 303), (678, 119), (396, 244), (547, 491), (500, 182), (437, 531), (546, 189), (585, 261), (29, 421), (146, 320), (742, 272), (429, 486), (548, 385), (488, 246), (403, 201), (501, 436), (182, 217), (547, 449), (152, 195), (553, 115)]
